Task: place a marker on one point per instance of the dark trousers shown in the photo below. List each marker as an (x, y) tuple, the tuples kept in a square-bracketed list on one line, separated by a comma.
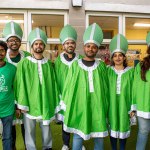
[(65, 137), (14, 135), (122, 143)]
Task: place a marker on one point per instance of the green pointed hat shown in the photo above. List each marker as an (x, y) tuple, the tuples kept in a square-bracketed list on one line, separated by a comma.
[(12, 29), (118, 44), (93, 34), (148, 38), (37, 34), (68, 33)]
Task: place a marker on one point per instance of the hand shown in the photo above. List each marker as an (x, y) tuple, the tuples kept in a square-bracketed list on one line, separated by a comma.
[(18, 113), (23, 111), (132, 114)]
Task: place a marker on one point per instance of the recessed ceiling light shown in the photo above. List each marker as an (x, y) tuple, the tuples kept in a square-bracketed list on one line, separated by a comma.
[(141, 25)]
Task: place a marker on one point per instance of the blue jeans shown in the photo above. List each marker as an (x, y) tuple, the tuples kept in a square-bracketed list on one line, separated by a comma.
[(78, 142), (122, 143), (7, 129), (144, 129)]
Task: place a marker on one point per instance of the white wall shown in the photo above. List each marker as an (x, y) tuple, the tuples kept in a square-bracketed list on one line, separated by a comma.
[(35, 4)]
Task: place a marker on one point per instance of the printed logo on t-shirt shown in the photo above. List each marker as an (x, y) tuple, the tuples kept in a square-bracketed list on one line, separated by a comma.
[(3, 88)]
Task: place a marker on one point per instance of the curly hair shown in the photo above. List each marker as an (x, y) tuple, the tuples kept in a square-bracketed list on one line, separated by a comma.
[(4, 45), (145, 65)]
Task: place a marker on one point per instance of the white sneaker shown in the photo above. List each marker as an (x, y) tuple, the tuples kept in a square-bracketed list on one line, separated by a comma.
[(83, 148), (65, 147)]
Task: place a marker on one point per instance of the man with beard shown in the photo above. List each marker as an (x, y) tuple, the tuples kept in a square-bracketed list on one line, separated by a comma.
[(68, 37), (36, 91), (7, 99), (84, 98), (12, 33)]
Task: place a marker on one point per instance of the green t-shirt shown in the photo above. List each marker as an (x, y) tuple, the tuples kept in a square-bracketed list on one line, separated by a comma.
[(7, 99)]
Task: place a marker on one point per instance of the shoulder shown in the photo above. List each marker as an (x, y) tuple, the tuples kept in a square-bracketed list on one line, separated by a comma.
[(11, 66)]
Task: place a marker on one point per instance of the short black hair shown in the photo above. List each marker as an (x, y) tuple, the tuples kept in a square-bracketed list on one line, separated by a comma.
[(4, 45)]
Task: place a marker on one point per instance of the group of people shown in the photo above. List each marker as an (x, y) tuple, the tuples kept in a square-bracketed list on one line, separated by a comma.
[(91, 99)]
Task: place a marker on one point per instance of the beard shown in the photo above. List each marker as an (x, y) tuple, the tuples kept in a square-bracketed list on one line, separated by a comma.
[(92, 55), (38, 50)]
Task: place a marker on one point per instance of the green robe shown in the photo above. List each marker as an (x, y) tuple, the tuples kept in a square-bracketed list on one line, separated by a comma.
[(141, 94), (61, 69), (7, 58), (36, 89), (120, 99), (84, 100)]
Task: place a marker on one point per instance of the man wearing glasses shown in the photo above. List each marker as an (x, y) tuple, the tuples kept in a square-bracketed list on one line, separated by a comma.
[(13, 33)]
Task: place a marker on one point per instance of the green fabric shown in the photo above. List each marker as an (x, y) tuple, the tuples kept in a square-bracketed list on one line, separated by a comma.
[(141, 93), (120, 104), (61, 70), (68, 33), (86, 111), (93, 34), (37, 34), (118, 44), (40, 99), (12, 29), (7, 99)]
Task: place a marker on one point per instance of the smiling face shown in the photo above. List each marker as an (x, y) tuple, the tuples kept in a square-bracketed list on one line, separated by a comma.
[(69, 46), (38, 46), (14, 43), (118, 58), (90, 50)]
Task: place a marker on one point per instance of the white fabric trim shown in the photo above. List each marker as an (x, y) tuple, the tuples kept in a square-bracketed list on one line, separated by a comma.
[(26, 108), (10, 61), (39, 62), (39, 119), (42, 61), (68, 63), (12, 28), (62, 105), (143, 114), (60, 117), (133, 107), (68, 38), (17, 121), (85, 136), (90, 72), (93, 31), (120, 135), (119, 73), (57, 109)]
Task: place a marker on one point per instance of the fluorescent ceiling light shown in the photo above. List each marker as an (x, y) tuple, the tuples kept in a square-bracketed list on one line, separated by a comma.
[(6, 21), (141, 25)]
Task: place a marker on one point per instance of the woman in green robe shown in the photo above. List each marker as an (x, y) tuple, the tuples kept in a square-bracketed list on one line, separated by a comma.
[(141, 97), (120, 78)]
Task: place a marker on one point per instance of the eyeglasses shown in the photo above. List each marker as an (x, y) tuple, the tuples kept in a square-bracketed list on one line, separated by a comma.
[(14, 41)]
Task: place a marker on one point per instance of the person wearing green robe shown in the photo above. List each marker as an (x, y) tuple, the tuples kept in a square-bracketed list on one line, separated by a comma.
[(141, 98), (13, 34), (7, 99), (120, 81), (84, 98), (36, 91), (68, 37)]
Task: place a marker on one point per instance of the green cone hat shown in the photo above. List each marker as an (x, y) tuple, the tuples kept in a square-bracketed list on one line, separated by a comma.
[(37, 34), (68, 33), (93, 34), (118, 44), (148, 39), (12, 29)]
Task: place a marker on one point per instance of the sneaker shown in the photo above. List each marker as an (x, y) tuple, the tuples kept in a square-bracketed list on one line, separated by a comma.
[(83, 148), (65, 147)]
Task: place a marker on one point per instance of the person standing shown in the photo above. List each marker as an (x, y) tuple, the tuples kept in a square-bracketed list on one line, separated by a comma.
[(36, 91), (84, 98), (7, 99), (120, 81), (13, 33), (68, 37), (141, 98)]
